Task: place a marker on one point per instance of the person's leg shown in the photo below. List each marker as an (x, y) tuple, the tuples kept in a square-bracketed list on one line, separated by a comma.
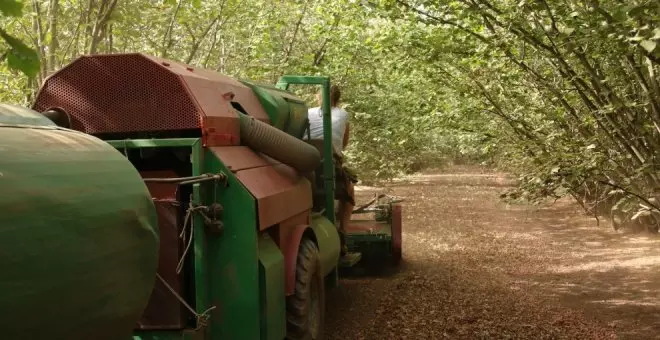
[(347, 210), (345, 213), (340, 228), (346, 201)]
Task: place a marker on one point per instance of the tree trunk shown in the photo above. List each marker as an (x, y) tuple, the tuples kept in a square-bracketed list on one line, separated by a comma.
[(100, 24), (167, 38), (53, 13), (289, 49), (38, 28)]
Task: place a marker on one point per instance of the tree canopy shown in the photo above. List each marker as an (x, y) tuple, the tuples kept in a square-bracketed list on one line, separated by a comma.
[(564, 94)]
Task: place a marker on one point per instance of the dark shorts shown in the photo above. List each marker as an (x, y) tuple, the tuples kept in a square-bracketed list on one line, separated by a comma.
[(343, 178)]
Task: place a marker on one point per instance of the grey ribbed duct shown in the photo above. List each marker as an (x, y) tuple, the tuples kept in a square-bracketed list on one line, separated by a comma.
[(278, 144)]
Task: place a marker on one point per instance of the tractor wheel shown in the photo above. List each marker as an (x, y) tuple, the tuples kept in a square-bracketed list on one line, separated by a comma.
[(305, 308)]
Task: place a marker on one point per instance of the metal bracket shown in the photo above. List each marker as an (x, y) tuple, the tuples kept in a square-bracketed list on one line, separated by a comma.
[(213, 218)]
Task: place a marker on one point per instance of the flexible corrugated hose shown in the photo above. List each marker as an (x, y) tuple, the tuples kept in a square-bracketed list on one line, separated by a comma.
[(278, 144)]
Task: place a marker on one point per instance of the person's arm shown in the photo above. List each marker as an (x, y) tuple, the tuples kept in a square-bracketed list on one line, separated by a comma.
[(346, 135)]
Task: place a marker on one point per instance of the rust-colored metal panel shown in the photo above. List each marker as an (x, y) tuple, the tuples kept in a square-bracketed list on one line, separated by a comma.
[(290, 252), (119, 93), (134, 93), (238, 158), (161, 190), (206, 94), (286, 171), (222, 85), (220, 125), (286, 227), (221, 131), (288, 240), (164, 311), (280, 193)]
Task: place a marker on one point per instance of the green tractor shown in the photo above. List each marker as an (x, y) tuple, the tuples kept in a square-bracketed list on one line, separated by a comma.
[(142, 198)]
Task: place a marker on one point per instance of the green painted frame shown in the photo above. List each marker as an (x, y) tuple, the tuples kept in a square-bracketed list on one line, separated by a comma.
[(235, 259), (235, 279), (202, 300), (328, 160)]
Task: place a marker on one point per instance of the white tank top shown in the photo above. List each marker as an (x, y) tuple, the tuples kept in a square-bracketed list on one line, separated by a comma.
[(339, 119)]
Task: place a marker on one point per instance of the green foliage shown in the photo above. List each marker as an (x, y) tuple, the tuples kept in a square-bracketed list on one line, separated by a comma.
[(572, 89), (19, 56), (565, 96), (394, 104), (11, 8)]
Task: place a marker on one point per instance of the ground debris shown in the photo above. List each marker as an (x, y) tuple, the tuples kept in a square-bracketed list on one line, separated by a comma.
[(485, 270)]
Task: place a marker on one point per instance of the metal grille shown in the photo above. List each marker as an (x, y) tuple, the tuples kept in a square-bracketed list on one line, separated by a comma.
[(119, 93)]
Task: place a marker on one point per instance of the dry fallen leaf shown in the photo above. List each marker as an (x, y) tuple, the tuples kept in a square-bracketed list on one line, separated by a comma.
[(475, 268)]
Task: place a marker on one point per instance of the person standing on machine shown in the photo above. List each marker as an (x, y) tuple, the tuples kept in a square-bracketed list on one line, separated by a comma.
[(344, 177)]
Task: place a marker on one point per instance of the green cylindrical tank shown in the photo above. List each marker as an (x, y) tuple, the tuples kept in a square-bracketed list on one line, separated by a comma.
[(286, 111), (78, 235)]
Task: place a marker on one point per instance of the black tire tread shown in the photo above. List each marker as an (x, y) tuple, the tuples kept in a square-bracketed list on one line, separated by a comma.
[(307, 269)]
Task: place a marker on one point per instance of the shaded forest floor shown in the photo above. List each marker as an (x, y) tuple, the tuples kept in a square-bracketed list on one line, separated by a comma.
[(477, 268)]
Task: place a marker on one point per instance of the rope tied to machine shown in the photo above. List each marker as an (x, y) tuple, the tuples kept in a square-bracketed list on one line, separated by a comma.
[(187, 224), (202, 319), (187, 233)]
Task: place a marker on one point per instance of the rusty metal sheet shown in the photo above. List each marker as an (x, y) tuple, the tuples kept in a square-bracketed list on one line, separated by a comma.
[(220, 124), (222, 84), (132, 93), (283, 236), (280, 194), (246, 97), (164, 311), (238, 158), (286, 170), (287, 237), (119, 93), (271, 161), (160, 190)]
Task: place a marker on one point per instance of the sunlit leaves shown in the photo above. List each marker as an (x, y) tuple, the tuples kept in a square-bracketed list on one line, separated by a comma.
[(527, 88), (376, 61), (648, 45), (564, 85)]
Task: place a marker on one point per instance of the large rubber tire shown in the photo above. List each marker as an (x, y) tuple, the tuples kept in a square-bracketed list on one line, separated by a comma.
[(306, 307)]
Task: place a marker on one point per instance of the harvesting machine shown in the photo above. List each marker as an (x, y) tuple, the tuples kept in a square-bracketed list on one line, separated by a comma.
[(142, 198)]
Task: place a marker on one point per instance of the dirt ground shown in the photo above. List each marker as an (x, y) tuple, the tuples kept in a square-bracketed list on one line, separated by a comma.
[(477, 268)]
